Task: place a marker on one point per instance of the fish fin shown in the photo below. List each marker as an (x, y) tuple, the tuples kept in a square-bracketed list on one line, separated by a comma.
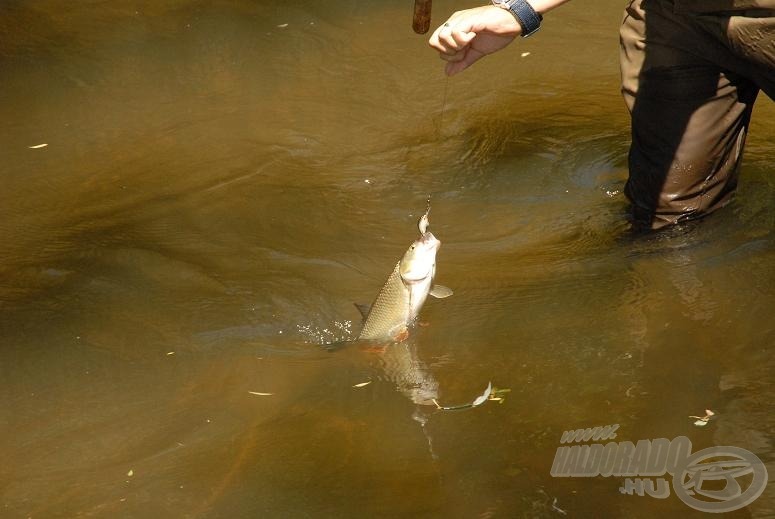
[(373, 347), (402, 334), (363, 309), (332, 347), (440, 291)]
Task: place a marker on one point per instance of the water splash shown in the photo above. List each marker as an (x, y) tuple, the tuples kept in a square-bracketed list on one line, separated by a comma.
[(339, 331)]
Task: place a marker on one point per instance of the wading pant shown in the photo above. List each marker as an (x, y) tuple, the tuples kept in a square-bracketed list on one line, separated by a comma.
[(690, 79)]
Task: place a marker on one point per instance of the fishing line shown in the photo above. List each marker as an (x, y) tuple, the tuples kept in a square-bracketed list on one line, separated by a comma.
[(439, 129), (443, 107)]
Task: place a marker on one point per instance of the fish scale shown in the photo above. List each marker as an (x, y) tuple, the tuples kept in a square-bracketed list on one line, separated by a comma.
[(390, 311)]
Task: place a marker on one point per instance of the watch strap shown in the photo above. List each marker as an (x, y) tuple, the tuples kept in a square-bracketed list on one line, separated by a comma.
[(528, 18)]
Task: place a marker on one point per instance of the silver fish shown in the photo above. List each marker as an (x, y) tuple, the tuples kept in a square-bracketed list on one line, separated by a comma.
[(399, 302)]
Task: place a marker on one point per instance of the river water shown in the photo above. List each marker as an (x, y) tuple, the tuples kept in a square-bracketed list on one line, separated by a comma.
[(222, 180)]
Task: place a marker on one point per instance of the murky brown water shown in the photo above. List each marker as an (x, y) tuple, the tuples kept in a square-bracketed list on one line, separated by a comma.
[(218, 188)]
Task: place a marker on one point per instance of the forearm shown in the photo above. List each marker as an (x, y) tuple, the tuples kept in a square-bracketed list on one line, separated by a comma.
[(540, 6), (544, 6)]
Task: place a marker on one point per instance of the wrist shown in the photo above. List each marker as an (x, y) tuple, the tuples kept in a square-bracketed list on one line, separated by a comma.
[(526, 16), (501, 21)]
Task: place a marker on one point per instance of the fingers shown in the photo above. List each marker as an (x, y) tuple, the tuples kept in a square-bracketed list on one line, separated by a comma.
[(450, 42), (456, 40), (453, 46), (468, 59), (453, 39)]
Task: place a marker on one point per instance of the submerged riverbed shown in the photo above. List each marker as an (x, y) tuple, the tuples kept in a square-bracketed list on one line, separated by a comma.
[(220, 181)]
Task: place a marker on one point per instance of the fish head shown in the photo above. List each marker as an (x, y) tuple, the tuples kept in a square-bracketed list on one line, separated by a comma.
[(419, 261)]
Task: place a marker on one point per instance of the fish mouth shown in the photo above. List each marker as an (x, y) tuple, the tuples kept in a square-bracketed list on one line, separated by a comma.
[(429, 240)]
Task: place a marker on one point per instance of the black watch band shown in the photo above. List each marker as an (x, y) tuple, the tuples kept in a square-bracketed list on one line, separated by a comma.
[(527, 17)]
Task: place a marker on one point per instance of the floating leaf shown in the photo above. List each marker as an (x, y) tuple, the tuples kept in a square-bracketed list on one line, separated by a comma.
[(497, 394), (130, 473), (260, 394), (702, 421), (363, 384), (450, 407), (37, 146), (557, 508), (483, 397), (489, 394)]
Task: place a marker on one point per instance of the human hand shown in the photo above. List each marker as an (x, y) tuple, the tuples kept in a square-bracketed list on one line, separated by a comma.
[(471, 34)]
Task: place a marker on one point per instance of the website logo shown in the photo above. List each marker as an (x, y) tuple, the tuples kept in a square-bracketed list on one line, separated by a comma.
[(716, 479)]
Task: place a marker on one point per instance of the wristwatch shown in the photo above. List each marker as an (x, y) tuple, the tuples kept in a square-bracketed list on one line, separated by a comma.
[(528, 18)]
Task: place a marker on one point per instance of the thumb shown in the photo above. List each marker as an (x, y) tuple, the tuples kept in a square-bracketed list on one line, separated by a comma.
[(467, 37), (471, 57)]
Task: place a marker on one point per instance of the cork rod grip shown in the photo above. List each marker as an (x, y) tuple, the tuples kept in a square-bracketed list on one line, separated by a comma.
[(422, 16)]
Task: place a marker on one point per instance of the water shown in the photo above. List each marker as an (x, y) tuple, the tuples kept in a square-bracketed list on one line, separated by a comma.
[(219, 187)]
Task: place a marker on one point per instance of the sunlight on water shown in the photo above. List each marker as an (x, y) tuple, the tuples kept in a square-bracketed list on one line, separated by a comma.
[(338, 332)]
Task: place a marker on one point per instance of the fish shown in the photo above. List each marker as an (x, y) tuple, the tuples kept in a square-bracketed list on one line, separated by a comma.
[(403, 366), (395, 310)]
